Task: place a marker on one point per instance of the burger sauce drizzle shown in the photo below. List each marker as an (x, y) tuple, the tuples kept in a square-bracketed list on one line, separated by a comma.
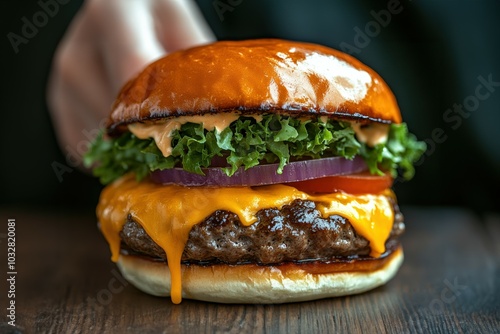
[(167, 213)]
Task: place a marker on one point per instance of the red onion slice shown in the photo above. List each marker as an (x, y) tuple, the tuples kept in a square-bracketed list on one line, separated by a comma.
[(262, 174)]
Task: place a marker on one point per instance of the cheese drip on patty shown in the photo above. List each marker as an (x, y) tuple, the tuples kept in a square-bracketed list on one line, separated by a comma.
[(168, 212)]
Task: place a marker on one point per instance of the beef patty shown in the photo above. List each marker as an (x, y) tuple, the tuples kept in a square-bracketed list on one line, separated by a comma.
[(297, 232)]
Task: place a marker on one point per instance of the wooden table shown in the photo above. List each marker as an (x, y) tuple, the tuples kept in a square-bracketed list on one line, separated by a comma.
[(65, 283)]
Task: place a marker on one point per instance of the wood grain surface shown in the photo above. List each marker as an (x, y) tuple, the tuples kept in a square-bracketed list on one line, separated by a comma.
[(66, 283)]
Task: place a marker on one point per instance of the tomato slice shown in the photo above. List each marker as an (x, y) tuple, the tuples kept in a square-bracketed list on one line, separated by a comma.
[(360, 183)]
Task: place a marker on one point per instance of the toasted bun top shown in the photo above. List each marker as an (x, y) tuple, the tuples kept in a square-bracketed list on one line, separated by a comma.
[(255, 76)]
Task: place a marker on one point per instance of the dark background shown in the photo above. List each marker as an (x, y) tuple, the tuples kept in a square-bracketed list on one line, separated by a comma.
[(431, 54)]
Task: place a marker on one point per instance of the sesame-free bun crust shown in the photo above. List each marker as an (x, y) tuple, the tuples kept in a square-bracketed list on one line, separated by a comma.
[(255, 76), (254, 284)]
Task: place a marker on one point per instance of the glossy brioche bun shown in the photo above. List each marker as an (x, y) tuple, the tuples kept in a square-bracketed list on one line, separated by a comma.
[(254, 284), (255, 76)]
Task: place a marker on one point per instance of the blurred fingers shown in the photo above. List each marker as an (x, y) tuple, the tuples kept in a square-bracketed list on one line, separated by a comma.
[(181, 24), (127, 38)]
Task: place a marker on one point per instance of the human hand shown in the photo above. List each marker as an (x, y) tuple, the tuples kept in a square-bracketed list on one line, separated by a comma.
[(108, 42)]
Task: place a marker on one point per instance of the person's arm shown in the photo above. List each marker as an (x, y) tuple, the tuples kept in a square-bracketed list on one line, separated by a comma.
[(108, 42)]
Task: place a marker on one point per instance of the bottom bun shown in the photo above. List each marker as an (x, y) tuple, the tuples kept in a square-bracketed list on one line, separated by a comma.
[(254, 284)]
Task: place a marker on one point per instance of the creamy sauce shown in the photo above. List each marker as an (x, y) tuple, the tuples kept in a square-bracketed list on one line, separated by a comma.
[(162, 132), (167, 213), (371, 134)]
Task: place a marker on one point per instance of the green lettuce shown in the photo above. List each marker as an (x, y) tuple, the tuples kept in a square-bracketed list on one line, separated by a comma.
[(247, 143)]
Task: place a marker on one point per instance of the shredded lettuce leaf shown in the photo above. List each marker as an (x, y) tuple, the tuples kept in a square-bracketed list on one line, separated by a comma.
[(247, 143)]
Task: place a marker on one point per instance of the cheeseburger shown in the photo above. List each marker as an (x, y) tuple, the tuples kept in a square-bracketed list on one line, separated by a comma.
[(254, 172)]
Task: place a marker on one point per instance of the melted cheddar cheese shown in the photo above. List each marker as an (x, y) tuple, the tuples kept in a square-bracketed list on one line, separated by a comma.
[(167, 213)]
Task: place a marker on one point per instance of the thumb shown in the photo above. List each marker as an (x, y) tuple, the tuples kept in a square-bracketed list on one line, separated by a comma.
[(137, 32), (181, 24), (128, 40)]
